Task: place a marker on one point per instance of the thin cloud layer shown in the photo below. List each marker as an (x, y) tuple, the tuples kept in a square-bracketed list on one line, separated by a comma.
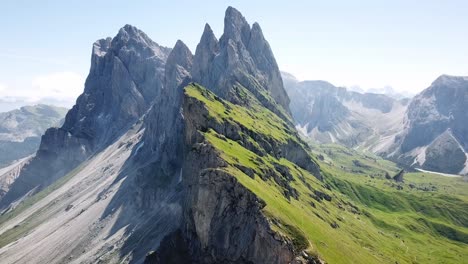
[(59, 88)]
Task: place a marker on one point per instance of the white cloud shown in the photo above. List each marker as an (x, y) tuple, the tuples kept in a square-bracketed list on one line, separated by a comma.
[(60, 87)]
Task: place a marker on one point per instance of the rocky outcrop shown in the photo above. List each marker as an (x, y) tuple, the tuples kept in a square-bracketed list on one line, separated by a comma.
[(241, 56), (433, 111), (399, 176)]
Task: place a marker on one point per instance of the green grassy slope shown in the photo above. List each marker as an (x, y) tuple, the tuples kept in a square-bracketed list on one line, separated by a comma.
[(355, 215)]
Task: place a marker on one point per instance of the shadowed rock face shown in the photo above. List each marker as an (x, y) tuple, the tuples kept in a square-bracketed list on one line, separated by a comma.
[(127, 73), (222, 222), (162, 142), (241, 56), (445, 154)]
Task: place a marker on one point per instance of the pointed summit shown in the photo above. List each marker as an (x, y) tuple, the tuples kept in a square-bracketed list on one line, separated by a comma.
[(261, 52), (180, 55), (204, 55), (235, 26), (244, 57), (209, 39), (177, 69), (130, 35)]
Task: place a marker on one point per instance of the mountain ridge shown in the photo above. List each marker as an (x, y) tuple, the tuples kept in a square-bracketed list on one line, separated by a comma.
[(132, 110), (21, 129)]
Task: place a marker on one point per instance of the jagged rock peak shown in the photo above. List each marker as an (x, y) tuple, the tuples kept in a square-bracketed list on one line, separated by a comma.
[(129, 32), (235, 26), (180, 55), (242, 56), (127, 73), (204, 54), (129, 43), (208, 39), (256, 34), (132, 38)]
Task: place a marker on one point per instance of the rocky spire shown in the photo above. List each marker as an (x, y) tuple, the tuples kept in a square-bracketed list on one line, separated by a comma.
[(164, 122), (260, 50), (244, 57), (235, 27), (206, 50), (180, 58)]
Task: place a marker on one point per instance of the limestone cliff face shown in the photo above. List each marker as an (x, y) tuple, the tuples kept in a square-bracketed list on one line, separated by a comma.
[(164, 121), (126, 75), (223, 222)]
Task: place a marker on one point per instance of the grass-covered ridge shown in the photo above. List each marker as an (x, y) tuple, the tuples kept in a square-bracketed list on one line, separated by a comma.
[(271, 126), (355, 215)]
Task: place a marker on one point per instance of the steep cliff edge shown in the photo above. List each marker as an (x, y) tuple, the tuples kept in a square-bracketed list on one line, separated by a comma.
[(231, 153)]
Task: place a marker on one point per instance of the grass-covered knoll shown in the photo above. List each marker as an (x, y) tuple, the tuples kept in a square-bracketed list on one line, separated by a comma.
[(355, 215)]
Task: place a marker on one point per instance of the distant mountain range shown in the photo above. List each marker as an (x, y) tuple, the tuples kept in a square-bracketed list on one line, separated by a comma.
[(21, 130), (428, 131)]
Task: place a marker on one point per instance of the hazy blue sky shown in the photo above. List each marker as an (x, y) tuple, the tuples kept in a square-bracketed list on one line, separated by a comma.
[(45, 45)]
